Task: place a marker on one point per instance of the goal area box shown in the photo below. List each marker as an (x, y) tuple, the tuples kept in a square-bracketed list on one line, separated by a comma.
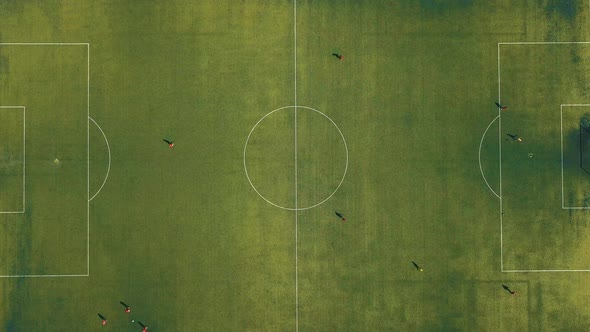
[(50, 237)]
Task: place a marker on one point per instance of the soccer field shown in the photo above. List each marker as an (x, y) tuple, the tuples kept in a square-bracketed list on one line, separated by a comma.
[(282, 113)]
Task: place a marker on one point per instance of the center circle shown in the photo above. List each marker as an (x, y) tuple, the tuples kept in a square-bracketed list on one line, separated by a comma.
[(295, 158)]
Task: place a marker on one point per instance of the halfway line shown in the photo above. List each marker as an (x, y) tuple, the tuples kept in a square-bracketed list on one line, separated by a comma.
[(295, 136), (500, 165)]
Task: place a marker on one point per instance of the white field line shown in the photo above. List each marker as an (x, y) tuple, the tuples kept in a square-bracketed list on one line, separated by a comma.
[(109, 150), (500, 164), (298, 208), (42, 275), (561, 130), (295, 51), (46, 44), (296, 192), (479, 158), (500, 140), (88, 158), (544, 43), (88, 166), (345, 166), (246, 168), (24, 158), (521, 271)]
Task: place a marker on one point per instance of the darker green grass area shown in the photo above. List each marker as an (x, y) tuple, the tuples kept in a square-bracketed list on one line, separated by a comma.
[(183, 238), (568, 9), (438, 6)]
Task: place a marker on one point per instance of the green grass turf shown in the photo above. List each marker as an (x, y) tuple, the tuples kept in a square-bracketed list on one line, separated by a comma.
[(11, 158), (182, 237)]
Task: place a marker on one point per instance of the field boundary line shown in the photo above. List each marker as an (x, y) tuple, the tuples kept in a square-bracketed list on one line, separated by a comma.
[(479, 156), (109, 150)]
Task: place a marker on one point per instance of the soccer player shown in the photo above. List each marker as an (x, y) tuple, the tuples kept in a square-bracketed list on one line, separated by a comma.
[(340, 215), (503, 108), (417, 267), (339, 56), (127, 308), (103, 318), (508, 290), (143, 326), (170, 144), (515, 137)]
